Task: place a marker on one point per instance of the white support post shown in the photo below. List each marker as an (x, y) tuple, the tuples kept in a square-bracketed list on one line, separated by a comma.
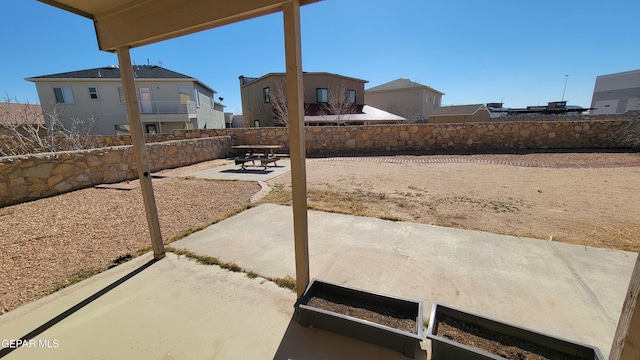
[(295, 97), (140, 152), (626, 342)]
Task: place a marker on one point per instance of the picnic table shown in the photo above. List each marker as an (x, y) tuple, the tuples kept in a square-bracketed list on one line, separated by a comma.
[(256, 154), (252, 150)]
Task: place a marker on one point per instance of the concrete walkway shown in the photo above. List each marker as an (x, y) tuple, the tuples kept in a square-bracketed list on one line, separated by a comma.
[(177, 309), (566, 290), (233, 172)]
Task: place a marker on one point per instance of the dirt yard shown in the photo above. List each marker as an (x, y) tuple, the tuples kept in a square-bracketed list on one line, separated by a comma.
[(582, 198)]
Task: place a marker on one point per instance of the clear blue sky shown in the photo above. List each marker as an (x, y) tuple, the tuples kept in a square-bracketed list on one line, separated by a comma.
[(473, 51)]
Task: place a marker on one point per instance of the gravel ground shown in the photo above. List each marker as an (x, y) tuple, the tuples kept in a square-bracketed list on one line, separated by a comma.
[(45, 242)]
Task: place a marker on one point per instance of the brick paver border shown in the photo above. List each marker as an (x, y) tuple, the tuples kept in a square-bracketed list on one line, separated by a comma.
[(450, 160)]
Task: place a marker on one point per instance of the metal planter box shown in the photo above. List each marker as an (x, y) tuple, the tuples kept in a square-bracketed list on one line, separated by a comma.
[(405, 342), (442, 348)]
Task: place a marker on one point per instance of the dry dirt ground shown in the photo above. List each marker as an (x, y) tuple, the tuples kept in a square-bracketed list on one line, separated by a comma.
[(49, 243), (581, 198)]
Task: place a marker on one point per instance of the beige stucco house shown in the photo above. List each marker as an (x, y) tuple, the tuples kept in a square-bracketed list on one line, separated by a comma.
[(167, 100), (616, 93), (405, 98), (460, 114)]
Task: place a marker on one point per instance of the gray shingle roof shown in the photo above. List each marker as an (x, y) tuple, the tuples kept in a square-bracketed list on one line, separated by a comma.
[(112, 72), (457, 110), (399, 84)]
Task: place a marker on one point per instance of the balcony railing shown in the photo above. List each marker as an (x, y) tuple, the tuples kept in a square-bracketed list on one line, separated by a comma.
[(167, 107)]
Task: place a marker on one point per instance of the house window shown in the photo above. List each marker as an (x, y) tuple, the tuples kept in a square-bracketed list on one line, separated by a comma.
[(351, 96), (256, 123), (322, 95), (265, 95), (63, 95), (184, 94), (121, 95), (426, 98), (434, 100), (93, 93), (151, 128), (196, 94)]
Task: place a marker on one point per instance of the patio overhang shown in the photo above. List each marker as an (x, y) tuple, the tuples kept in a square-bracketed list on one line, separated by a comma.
[(123, 24), (142, 22)]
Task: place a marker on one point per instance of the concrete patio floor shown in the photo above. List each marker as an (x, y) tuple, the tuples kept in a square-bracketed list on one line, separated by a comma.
[(177, 309), (233, 172)]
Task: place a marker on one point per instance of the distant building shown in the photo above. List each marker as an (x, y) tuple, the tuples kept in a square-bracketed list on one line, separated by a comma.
[(167, 100), (552, 108), (369, 115), (18, 117), (329, 99), (616, 93), (233, 121), (460, 114), (405, 98)]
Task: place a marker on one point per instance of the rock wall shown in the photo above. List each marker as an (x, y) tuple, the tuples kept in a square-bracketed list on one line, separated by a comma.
[(28, 177), (33, 176), (560, 133)]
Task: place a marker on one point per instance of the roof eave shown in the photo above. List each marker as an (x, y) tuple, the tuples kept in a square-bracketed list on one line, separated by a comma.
[(406, 88), (68, 8), (305, 73), (138, 23)]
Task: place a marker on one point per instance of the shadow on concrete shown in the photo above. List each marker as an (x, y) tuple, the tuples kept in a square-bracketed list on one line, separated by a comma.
[(246, 171), (44, 327), (311, 343)]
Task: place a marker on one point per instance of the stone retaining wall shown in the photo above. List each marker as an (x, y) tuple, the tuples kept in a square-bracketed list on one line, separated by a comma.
[(590, 131), (562, 133), (33, 176), (28, 177)]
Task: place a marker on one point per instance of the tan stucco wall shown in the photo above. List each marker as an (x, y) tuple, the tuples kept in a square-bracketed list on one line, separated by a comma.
[(254, 107), (408, 103), (480, 116)]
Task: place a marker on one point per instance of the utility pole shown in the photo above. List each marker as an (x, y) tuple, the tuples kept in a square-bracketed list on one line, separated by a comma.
[(566, 77)]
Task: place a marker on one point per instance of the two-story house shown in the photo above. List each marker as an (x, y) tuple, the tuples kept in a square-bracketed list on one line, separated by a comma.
[(616, 93), (405, 98), (328, 98), (168, 100)]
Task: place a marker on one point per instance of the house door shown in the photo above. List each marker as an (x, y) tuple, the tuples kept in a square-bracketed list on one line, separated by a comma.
[(145, 100)]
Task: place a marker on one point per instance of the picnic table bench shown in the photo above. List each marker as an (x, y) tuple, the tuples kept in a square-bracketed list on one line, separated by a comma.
[(257, 155), (263, 161)]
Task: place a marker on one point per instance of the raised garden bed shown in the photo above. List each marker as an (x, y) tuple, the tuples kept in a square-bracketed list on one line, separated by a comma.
[(388, 321), (457, 334)]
